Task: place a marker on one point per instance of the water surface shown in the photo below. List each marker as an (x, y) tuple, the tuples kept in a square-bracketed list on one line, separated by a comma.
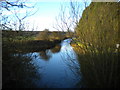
[(57, 67)]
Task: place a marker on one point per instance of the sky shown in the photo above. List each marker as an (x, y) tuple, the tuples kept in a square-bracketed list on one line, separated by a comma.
[(46, 12), (45, 16)]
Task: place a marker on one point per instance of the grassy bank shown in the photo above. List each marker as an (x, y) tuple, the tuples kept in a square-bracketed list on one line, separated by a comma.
[(97, 45), (17, 70), (29, 46), (34, 35), (30, 41), (99, 69)]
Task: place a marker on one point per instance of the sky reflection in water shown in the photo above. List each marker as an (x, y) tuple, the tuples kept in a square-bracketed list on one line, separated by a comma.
[(57, 70)]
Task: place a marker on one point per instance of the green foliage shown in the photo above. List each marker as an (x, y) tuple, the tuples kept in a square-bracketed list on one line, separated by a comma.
[(99, 24), (18, 36), (97, 36), (100, 70), (42, 36), (56, 36), (51, 36)]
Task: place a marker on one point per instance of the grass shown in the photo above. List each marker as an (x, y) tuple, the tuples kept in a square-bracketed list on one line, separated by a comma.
[(30, 46), (99, 69)]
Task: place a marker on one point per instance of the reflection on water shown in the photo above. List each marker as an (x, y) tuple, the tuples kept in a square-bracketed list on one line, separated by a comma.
[(17, 71), (45, 55), (56, 49), (59, 67), (55, 68)]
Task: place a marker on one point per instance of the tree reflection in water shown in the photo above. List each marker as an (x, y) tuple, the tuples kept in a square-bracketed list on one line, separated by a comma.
[(45, 55), (61, 69), (18, 72), (71, 60), (56, 49), (58, 67)]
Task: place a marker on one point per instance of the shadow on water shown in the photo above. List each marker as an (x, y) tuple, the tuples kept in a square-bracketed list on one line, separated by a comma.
[(45, 55), (53, 68), (35, 66), (100, 70), (56, 49), (17, 71), (60, 70)]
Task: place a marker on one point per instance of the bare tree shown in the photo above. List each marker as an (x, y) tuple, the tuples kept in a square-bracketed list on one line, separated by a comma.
[(63, 20), (14, 19), (69, 16), (20, 19)]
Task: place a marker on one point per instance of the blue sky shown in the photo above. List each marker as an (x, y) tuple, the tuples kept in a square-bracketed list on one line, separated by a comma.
[(44, 18), (46, 14)]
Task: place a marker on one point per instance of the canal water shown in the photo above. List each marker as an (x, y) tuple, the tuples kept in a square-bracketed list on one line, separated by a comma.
[(57, 67)]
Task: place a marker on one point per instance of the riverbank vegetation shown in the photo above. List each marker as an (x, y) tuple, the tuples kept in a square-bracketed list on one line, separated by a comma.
[(97, 45), (95, 40), (17, 67), (32, 40)]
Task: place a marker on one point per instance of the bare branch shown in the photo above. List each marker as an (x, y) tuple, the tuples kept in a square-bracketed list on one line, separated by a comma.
[(20, 18), (69, 16)]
